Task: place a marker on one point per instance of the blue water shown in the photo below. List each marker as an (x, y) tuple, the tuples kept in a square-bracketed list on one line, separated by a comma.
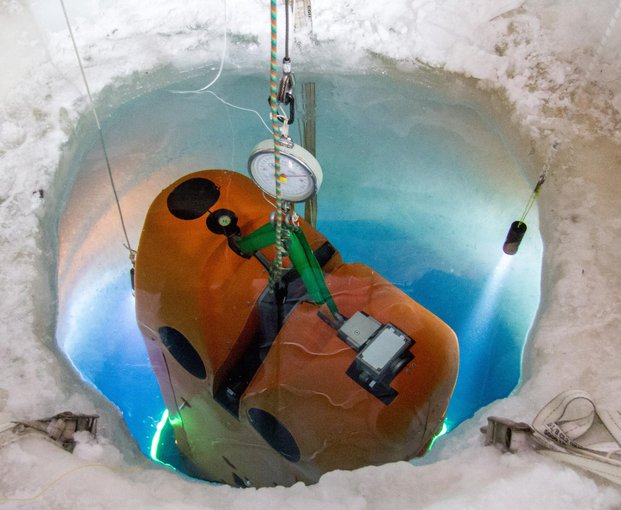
[(419, 185)]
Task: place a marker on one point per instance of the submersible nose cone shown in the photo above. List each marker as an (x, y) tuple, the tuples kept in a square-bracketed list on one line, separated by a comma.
[(514, 237)]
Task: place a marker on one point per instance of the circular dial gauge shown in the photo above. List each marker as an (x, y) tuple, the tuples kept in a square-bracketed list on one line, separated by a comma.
[(301, 173)]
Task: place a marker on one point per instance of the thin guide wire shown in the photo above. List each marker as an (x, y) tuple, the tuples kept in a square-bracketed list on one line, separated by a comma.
[(132, 252)]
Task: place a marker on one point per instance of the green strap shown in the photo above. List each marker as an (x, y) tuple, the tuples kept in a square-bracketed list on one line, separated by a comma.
[(308, 267), (302, 258), (262, 237)]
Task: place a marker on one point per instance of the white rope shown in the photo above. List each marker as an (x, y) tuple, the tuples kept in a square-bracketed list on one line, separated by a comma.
[(206, 88), (222, 57), (236, 107)]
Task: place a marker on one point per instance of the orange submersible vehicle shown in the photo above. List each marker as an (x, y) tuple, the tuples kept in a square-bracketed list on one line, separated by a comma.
[(278, 362), (273, 377)]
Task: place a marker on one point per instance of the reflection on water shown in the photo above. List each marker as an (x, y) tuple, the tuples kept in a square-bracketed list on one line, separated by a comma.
[(418, 186)]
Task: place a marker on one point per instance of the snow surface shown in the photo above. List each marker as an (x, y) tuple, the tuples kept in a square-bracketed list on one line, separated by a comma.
[(551, 64)]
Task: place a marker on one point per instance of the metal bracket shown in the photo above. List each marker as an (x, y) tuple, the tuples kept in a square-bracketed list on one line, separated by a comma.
[(59, 428)]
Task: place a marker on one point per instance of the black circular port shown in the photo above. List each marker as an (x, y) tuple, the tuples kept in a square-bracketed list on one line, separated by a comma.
[(183, 351), (193, 198), (223, 222), (274, 433)]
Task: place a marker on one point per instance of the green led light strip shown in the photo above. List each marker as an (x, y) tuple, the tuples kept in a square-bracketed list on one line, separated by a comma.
[(155, 442)]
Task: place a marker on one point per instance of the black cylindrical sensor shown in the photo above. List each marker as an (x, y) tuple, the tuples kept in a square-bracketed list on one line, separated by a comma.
[(514, 237)]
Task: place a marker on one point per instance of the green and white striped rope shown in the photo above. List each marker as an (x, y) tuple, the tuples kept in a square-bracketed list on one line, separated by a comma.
[(280, 249)]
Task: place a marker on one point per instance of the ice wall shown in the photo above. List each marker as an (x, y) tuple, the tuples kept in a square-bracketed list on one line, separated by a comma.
[(543, 57)]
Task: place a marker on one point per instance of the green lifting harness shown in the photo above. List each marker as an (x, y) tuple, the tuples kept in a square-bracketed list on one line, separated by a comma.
[(302, 258)]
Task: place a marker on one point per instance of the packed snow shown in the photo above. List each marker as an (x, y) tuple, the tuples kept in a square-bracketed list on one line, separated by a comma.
[(550, 66)]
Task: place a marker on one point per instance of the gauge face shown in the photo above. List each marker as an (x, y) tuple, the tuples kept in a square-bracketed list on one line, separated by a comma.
[(300, 171), (296, 183)]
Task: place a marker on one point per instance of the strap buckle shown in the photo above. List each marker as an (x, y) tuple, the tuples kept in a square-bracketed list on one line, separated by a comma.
[(507, 435)]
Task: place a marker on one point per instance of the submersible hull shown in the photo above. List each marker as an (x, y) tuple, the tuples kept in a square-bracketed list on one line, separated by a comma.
[(266, 388)]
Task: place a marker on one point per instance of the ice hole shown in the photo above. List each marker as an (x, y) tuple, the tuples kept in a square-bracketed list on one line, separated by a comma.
[(421, 183)]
